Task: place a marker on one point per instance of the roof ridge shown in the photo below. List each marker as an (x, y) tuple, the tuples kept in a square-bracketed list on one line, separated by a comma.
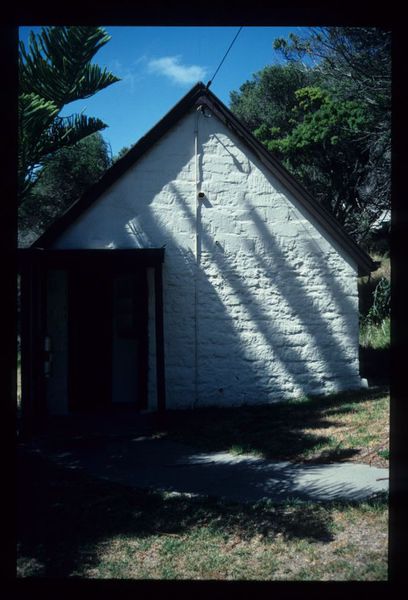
[(201, 92)]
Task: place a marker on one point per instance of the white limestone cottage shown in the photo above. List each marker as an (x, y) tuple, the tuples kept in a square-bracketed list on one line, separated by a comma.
[(196, 272)]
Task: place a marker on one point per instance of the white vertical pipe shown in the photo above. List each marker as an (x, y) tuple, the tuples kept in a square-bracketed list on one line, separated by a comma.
[(197, 185), (197, 250)]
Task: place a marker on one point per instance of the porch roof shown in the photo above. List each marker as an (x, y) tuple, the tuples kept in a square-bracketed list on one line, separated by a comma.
[(123, 257)]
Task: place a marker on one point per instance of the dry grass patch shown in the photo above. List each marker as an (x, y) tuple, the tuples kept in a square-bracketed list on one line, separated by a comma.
[(352, 553), (352, 426), (363, 428), (384, 269)]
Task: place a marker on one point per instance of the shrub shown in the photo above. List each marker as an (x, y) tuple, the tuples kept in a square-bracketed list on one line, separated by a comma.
[(368, 284), (380, 308), (376, 336)]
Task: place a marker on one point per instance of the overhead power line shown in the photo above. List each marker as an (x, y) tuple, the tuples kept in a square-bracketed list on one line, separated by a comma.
[(225, 55)]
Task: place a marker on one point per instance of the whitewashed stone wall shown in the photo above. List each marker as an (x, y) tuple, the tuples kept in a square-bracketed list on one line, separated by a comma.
[(269, 308)]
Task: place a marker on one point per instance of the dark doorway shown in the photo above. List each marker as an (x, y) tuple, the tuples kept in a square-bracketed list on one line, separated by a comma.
[(108, 338), (130, 339), (90, 339)]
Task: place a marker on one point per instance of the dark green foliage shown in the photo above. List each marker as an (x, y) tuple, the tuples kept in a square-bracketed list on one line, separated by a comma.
[(330, 123), (65, 176), (366, 287), (121, 153), (353, 60), (381, 306), (321, 150), (374, 306), (377, 239), (56, 67), (355, 63), (267, 100), (54, 71)]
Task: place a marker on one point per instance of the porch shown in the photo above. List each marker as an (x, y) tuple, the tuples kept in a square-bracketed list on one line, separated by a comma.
[(92, 336)]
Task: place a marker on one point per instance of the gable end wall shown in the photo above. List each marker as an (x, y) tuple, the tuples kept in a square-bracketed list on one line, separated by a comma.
[(269, 307)]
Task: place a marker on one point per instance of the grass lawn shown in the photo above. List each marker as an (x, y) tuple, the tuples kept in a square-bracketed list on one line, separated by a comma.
[(352, 426), (73, 525)]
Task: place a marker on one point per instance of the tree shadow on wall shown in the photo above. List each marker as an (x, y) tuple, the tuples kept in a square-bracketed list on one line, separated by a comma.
[(290, 355), (245, 378)]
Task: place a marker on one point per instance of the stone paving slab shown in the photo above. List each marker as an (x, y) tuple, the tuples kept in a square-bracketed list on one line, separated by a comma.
[(173, 467)]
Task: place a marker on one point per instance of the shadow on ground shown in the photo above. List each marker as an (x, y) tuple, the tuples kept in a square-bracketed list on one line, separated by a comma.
[(64, 514), (276, 431)]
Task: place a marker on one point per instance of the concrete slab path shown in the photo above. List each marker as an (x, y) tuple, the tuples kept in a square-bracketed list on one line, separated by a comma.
[(160, 464)]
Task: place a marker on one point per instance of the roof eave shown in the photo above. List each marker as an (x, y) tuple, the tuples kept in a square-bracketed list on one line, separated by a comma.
[(118, 168), (197, 95), (364, 262)]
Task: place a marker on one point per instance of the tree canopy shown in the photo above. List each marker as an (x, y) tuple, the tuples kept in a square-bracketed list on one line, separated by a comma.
[(124, 150), (65, 176), (54, 71), (329, 123)]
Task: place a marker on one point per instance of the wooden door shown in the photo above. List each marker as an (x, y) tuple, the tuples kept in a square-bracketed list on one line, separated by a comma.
[(129, 378)]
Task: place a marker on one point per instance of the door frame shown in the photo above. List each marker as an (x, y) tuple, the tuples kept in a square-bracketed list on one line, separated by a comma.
[(33, 265)]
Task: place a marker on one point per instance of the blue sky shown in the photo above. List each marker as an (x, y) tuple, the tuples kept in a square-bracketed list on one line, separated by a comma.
[(158, 65)]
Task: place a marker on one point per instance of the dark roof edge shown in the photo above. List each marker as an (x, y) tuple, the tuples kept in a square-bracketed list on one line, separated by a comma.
[(201, 94), (118, 168)]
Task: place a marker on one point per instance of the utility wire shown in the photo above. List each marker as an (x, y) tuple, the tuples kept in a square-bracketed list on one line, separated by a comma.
[(225, 55)]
